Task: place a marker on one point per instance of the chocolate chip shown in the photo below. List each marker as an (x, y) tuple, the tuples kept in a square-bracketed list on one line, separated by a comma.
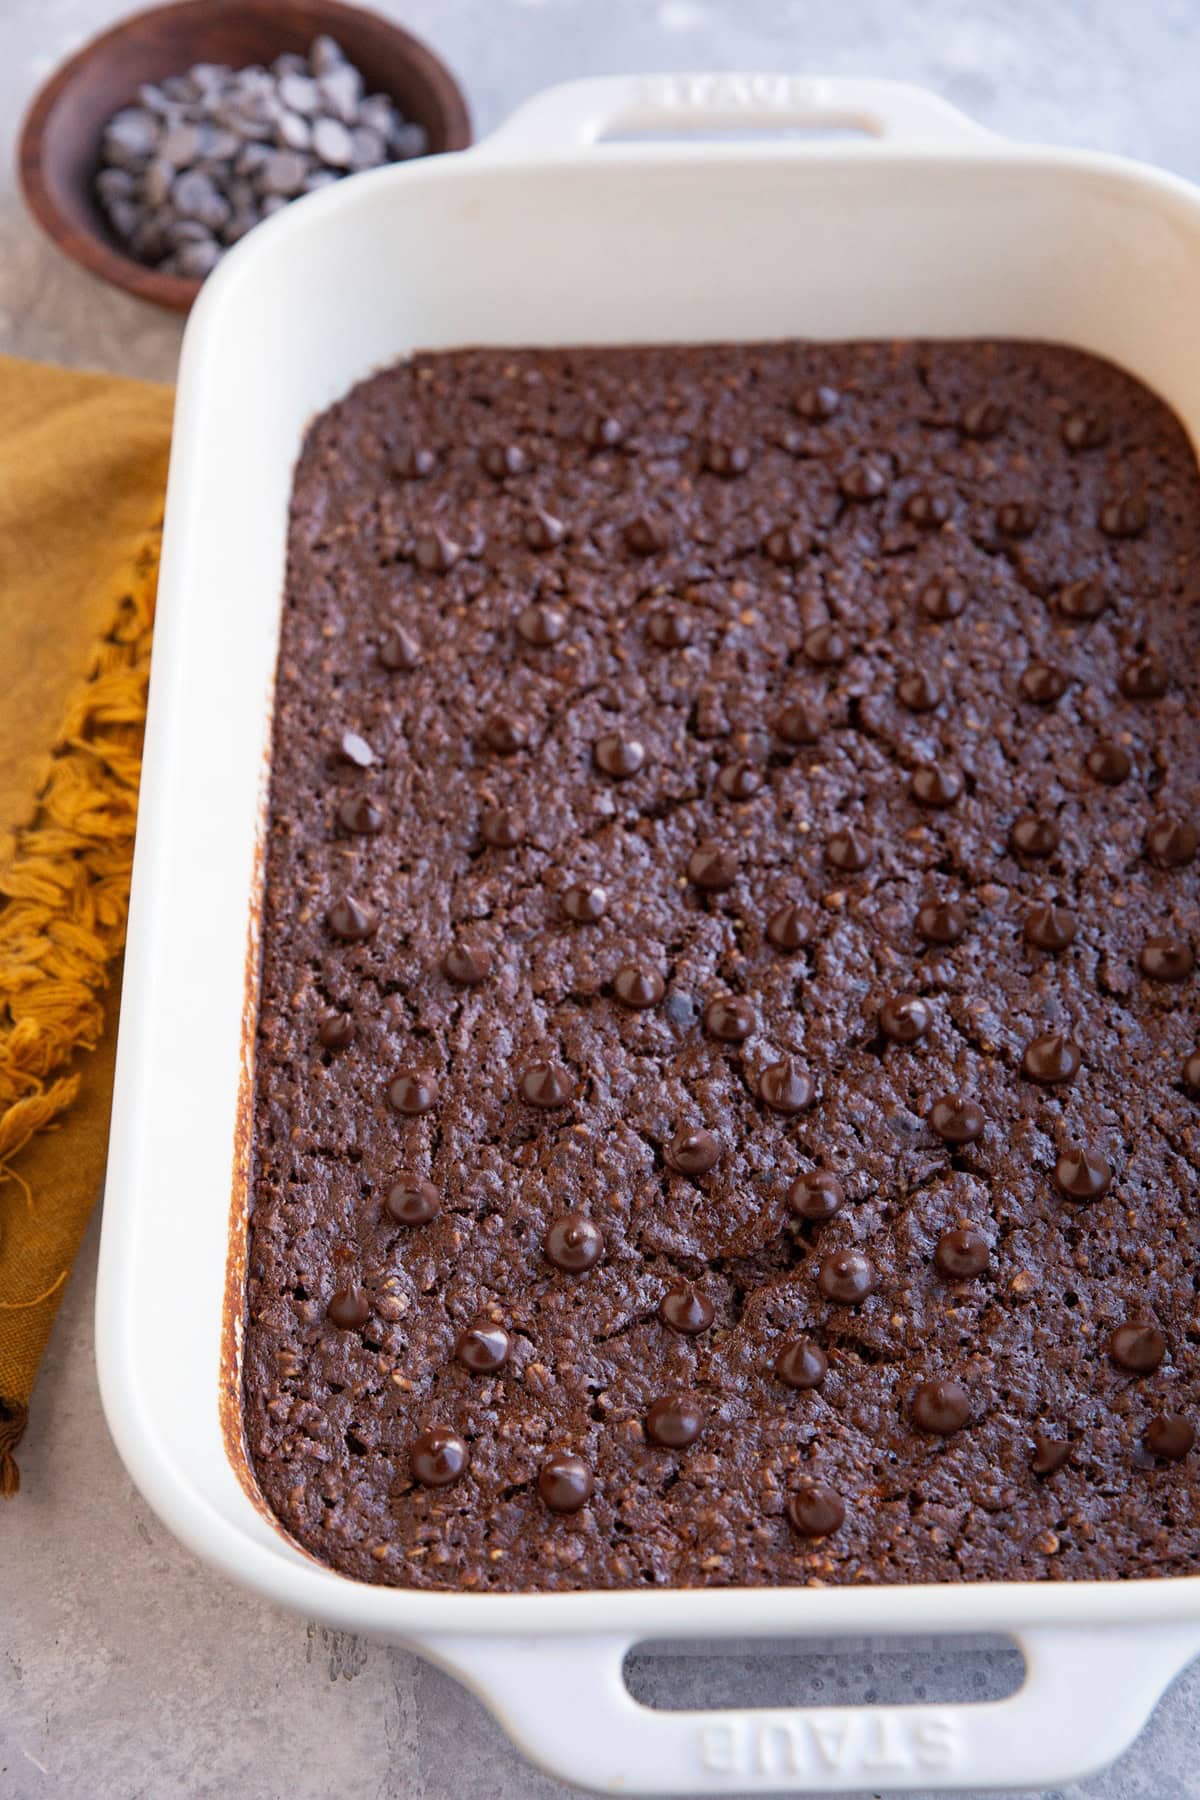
[(547, 1084), (962, 1253), (942, 598), (941, 922), (825, 646), (846, 1276), (956, 1120), (940, 1407), (412, 462), (686, 1310), (355, 750), (669, 627), (816, 1195), (863, 481), (502, 460), (400, 651), (712, 868), (505, 733), (674, 1422), (1034, 837), (786, 545), (1191, 1073), (349, 1309), (647, 535), (1082, 1173), (359, 814), (482, 1347), (543, 531), (467, 964), (740, 780), (1166, 959), (411, 1200), (935, 785), (618, 756), (574, 1243), (1049, 1454), (905, 1018), (435, 552), (1018, 518), (729, 1018), (637, 986), (603, 433), (350, 920), (801, 1364), (1081, 601), (983, 419), (799, 724), (500, 829), (1124, 516), (584, 904), (1043, 683), (1145, 678), (565, 1483), (926, 510), (726, 459), (336, 1031), (1137, 1347), (1049, 927), (1109, 763), (1170, 1436), (1085, 430), (438, 1457), (541, 625), (692, 1151), (412, 1092), (849, 851), (788, 928), (816, 1510), (786, 1087), (818, 403), (1170, 842), (918, 691), (1051, 1058)]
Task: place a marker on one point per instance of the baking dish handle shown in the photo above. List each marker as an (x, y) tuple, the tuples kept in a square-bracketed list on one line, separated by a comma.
[(1086, 1695), (580, 113)]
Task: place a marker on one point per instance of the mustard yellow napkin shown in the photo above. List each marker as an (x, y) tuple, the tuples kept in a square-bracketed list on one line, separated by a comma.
[(83, 463)]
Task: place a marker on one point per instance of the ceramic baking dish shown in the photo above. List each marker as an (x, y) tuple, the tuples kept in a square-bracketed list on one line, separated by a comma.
[(573, 224)]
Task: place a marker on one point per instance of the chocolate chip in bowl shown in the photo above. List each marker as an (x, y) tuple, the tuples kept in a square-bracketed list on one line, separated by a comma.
[(162, 142)]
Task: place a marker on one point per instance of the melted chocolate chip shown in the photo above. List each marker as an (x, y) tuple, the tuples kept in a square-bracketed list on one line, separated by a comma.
[(1082, 1173), (400, 651), (603, 433), (467, 964), (669, 627), (540, 624), (1109, 763), (1049, 1454), (918, 691), (801, 1364), (786, 545), (438, 1457), (849, 852), (1051, 1058), (926, 510), (336, 1031), (674, 1422), (1166, 959), (350, 920), (1085, 430), (1137, 1347), (686, 1310), (940, 1407), (618, 756), (1170, 842), (1034, 837), (1145, 678), (501, 460), (1170, 1436), (1043, 683), (547, 1084), (565, 1483), (962, 1253), (846, 1276), (692, 1151), (786, 1087), (825, 646), (638, 986), (816, 1510), (788, 928), (1124, 516), (863, 481), (726, 459), (740, 780), (816, 1195), (584, 903), (349, 1309), (411, 1200), (543, 530), (935, 785), (355, 750), (1049, 927), (905, 1018), (941, 922), (482, 1347), (412, 1092), (647, 535), (942, 598), (412, 462), (1018, 518), (819, 403), (1079, 602), (505, 733), (983, 419), (500, 829), (573, 1243), (435, 552), (799, 724), (956, 1120), (730, 1019), (712, 868)]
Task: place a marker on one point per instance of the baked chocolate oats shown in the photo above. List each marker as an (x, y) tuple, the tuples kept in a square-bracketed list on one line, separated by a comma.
[(727, 1087)]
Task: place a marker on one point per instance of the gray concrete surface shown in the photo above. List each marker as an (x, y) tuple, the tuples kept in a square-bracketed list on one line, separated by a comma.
[(126, 1669)]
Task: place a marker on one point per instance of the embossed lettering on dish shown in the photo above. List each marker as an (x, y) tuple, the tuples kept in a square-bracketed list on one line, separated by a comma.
[(874, 1743), (726, 93)]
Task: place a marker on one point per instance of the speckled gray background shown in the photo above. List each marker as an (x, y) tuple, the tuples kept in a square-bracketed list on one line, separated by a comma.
[(126, 1669)]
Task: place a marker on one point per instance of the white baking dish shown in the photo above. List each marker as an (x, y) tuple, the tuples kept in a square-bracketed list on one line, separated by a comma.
[(927, 226)]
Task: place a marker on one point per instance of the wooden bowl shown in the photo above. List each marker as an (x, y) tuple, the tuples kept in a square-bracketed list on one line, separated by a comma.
[(60, 138)]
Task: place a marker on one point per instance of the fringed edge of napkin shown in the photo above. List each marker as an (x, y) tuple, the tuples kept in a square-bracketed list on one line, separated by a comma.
[(65, 898)]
